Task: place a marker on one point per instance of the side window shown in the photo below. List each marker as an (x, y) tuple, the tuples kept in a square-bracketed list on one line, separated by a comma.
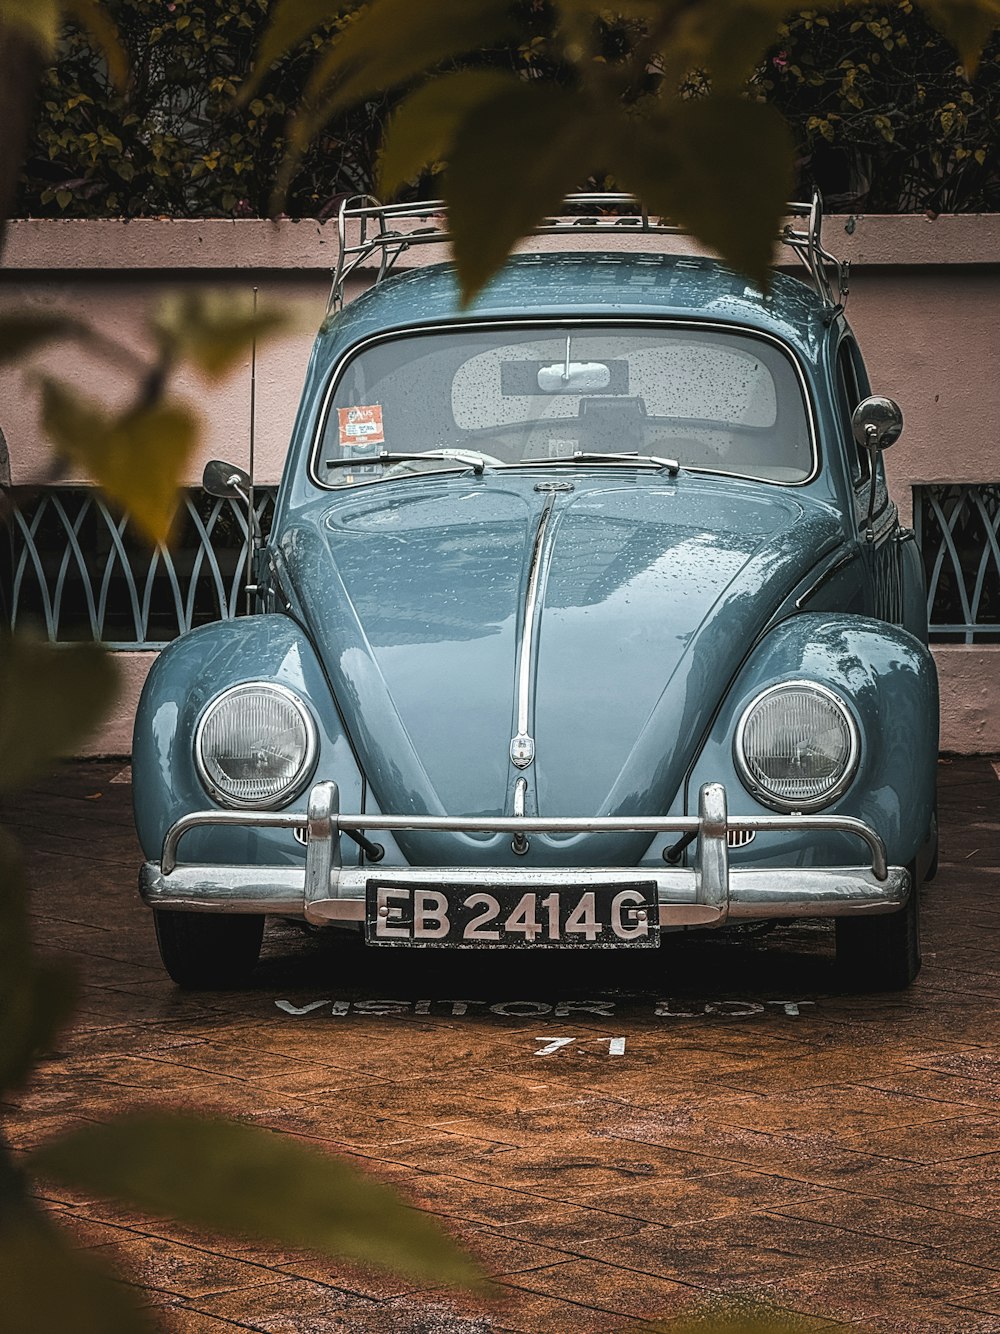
[(849, 391)]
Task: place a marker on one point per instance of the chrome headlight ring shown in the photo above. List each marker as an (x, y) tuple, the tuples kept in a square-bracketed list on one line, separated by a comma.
[(819, 708), (284, 731)]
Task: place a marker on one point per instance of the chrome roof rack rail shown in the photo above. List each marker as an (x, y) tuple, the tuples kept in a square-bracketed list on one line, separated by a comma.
[(379, 233), (807, 244)]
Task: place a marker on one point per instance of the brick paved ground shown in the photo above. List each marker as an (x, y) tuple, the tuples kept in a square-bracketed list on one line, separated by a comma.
[(839, 1155)]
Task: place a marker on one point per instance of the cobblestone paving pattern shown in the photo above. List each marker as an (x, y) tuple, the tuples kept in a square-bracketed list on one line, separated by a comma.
[(760, 1133)]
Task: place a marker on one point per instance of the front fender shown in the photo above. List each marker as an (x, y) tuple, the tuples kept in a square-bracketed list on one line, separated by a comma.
[(888, 680), (185, 677)]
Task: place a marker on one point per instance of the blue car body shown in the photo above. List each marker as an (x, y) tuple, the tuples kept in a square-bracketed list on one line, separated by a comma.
[(666, 602)]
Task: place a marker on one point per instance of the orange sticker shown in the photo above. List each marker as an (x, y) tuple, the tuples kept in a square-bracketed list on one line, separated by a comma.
[(360, 426)]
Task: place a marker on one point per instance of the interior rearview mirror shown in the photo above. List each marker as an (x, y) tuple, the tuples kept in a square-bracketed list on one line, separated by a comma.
[(574, 377)]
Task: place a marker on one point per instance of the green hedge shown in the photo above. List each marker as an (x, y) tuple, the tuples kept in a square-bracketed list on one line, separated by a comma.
[(884, 118), (884, 115), (176, 145)]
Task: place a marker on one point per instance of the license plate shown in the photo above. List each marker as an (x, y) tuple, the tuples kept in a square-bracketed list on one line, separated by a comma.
[(471, 917)]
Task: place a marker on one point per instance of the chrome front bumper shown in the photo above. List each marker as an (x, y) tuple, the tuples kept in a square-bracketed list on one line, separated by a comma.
[(706, 894)]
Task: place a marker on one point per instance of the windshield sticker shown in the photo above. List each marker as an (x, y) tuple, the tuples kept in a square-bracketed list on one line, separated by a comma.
[(361, 427)]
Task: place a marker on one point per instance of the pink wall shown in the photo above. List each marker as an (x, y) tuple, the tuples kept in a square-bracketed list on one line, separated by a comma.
[(924, 299)]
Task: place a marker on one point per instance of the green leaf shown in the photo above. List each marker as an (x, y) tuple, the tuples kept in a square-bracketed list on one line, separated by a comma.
[(38, 19), (48, 1286), (734, 1315), (22, 332), (240, 1179), (393, 41), (423, 128), (388, 43), (968, 24), (51, 696), (38, 1001), (138, 458), (93, 17), (291, 22), (721, 167), (36, 997), (214, 330), (514, 159), (728, 38)]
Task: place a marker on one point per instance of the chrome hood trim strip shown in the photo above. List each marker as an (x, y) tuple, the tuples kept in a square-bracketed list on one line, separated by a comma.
[(522, 746)]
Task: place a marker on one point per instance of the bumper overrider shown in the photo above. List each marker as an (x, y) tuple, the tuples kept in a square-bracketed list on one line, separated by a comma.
[(706, 894)]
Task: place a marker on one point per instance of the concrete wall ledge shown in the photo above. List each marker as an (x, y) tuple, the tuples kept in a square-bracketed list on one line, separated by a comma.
[(157, 244)]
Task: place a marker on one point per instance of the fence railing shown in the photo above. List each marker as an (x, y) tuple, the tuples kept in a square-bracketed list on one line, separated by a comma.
[(958, 531), (75, 569)]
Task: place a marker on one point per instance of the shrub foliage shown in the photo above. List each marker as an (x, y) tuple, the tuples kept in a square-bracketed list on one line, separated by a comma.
[(883, 115), (176, 144)]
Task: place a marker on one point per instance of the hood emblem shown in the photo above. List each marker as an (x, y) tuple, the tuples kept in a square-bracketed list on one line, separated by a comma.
[(522, 750)]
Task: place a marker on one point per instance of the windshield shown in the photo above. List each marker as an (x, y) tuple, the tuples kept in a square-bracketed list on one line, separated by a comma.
[(714, 400)]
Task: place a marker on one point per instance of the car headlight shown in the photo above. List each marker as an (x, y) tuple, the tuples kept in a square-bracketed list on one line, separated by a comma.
[(255, 745), (797, 746)]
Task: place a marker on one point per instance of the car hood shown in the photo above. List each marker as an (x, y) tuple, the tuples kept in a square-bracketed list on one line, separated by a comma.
[(650, 591)]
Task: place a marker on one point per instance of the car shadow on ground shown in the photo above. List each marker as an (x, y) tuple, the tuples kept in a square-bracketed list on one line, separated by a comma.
[(788, 961)]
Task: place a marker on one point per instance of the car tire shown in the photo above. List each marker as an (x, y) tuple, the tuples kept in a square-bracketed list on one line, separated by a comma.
[(208, 951), (881, 953), (934, 839)]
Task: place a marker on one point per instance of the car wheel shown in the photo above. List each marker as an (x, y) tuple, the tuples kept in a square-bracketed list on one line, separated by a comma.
[(208, 951), (881, 953)]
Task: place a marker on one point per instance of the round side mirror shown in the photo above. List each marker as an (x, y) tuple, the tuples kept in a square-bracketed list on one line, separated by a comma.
[(877, 422), (225, 480)]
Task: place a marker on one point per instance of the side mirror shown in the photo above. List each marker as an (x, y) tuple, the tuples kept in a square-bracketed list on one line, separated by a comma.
[(877, 422), (225, 480)]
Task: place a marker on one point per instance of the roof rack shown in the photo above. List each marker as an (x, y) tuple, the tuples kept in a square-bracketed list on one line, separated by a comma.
[(383, 230)]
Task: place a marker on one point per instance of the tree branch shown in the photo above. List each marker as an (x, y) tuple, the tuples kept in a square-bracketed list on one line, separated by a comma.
[(21, 66)]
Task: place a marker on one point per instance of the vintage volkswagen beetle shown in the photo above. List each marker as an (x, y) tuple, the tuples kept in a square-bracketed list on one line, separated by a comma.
[(585, 614)]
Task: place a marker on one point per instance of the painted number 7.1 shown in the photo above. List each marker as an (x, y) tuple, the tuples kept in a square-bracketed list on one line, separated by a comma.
[(616, 1046)]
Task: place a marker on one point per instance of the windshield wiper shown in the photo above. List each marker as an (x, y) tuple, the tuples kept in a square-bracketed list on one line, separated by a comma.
[(467, 459), (650, 460)]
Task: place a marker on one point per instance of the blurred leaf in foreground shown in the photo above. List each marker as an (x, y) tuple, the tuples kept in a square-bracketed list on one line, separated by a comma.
[(535, 134), (36, 996), (94, 17), (214, 330), (385, 44), (41, 20), (37, 19), (23, 332), (720, 166), (38, 999), (47, 1286), (239, 1179), (968, 25), (137, 457), (735, 1315), (51, 696), (423, 129)]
